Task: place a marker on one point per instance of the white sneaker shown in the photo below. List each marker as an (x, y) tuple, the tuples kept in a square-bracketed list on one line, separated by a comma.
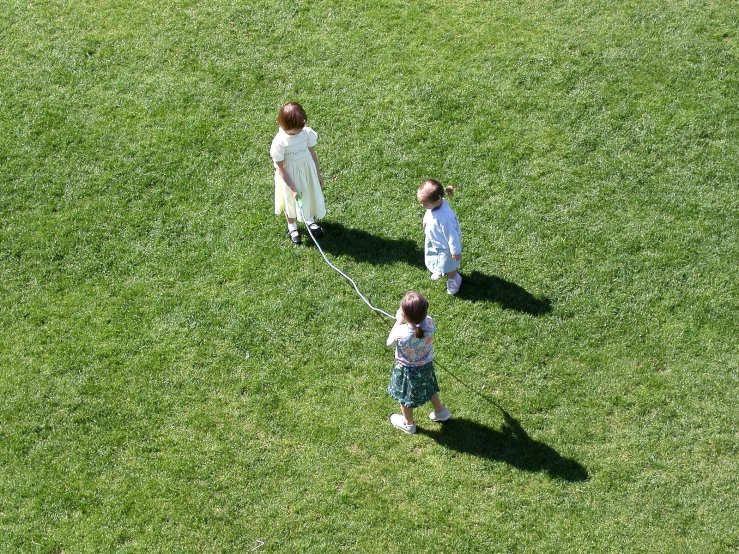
[(436, 276), (443, 415), (398, 421), (453, 284)]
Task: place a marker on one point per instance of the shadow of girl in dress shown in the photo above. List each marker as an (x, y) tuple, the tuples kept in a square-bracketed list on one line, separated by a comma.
[(365, 247)]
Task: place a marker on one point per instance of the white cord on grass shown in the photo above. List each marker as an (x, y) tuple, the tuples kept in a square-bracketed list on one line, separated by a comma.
[(356, 288)]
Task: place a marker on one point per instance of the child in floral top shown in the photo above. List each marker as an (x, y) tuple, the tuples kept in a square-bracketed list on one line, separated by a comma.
[(413, 379)]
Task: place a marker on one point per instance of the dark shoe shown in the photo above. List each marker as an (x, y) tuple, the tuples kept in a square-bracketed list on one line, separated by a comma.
[(294, 236), (315, 230)]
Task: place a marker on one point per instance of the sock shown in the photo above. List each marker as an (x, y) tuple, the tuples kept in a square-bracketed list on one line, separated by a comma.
[(292, 226), (309, 220)]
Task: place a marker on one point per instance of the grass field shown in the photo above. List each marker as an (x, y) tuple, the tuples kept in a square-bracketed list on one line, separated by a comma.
[(176, 377)]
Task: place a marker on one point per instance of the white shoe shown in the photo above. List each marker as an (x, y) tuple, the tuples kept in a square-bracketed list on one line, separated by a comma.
[(443, 415), (453, 284), (398, 421), (436, 276)]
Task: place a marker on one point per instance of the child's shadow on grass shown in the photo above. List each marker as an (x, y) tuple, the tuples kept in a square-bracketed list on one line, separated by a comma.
[(477, 287), (365, 247), (511, 445)]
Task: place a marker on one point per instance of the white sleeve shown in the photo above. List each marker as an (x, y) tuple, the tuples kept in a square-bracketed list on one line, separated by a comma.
[(277, 150), (453, 236), (394, 335), (312, 137)]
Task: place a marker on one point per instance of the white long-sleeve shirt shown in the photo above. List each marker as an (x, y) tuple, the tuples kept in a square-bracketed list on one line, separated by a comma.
[(442, 229)]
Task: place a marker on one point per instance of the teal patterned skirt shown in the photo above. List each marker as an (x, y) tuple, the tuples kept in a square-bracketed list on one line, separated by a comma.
[(413, 386)]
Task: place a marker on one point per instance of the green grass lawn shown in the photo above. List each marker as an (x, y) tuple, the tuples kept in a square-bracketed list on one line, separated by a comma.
[(176, 377)]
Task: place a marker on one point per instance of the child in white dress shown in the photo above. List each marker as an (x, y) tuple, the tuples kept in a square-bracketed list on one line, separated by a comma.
[(443, 237), (297, 172)]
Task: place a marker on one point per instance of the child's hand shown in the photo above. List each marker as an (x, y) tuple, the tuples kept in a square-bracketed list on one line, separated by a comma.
[(457, 257)]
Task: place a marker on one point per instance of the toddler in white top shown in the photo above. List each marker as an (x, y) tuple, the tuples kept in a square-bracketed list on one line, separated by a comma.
[(443, 237), (297, 172)]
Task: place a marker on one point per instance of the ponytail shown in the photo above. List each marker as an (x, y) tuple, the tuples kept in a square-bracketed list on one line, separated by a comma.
[(432, 190), (419, 333)]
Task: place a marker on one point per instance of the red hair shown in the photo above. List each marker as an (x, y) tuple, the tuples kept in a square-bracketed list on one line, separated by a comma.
[(292, 116)]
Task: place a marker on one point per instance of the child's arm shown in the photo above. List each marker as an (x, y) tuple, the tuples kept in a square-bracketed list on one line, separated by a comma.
[(395, 334), (395, 331), (285, 177), (315, 161), (455, 243)]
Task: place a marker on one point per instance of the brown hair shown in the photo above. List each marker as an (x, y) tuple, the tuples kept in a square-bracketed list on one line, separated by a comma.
[(432, 190), (415, 309), (292, 116)]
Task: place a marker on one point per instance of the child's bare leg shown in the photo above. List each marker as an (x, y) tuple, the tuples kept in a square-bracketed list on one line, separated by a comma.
[(436, 403), (452, 274), (408, 413)]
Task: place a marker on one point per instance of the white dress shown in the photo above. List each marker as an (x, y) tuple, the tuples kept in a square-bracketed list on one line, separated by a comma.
[(293, 150)]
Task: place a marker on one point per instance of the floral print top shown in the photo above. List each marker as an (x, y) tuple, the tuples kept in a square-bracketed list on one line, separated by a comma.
[(408, 349)]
